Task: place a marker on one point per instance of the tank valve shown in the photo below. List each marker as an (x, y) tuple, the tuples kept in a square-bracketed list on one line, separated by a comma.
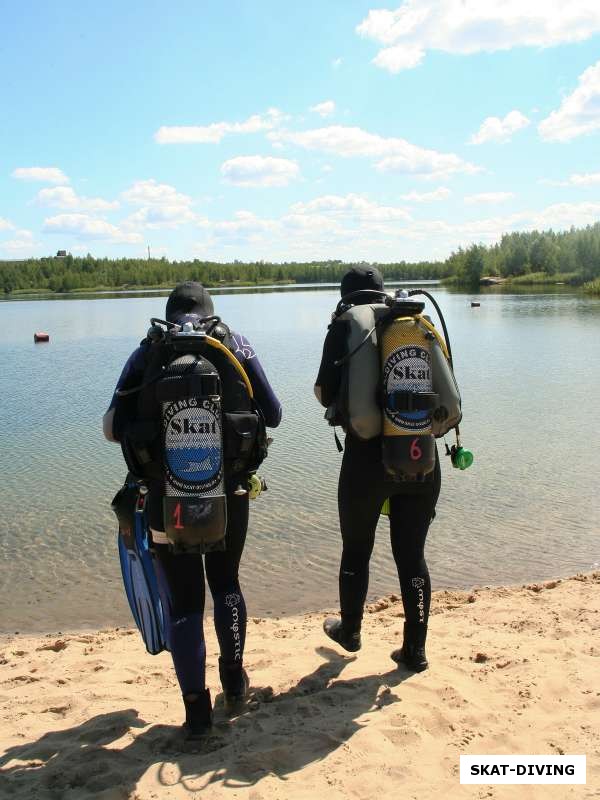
[(256, 485)]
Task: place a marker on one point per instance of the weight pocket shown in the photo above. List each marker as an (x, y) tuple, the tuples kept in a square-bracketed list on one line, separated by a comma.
[(240, 430)]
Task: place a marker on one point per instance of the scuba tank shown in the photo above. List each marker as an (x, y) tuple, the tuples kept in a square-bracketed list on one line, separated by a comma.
[(398, 381), (408, 399), (194, 504), (358, 403), (198, 434)]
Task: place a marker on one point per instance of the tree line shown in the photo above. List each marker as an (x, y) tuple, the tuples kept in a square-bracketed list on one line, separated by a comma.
[(71, 273), (572, 256), (534, 257)]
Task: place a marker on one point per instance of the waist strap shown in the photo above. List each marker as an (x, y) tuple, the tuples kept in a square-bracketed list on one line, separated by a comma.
[(412, 401)]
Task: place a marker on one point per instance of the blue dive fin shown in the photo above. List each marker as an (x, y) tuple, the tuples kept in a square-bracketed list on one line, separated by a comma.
[(141, 587)]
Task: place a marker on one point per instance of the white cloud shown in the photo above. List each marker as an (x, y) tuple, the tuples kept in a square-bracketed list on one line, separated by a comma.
[(576, 179), (427, 197), (213, 133), (357, 228), (494, 129), (65, 197), (40, 174), (327, 225), (324, 109), (559, 216), (161, 205), (351, 205), (5, 225), (22, 243), (244, 226), (394, 154), (82, 226), (310, 223), (474, 26), (152, 193), (399, 57), (579, 112), (337, 63), (562, 216), (261, 171), (488, 197), (160, 217)]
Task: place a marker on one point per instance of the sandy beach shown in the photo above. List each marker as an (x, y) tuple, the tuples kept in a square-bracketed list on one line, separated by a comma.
[(512, 670)]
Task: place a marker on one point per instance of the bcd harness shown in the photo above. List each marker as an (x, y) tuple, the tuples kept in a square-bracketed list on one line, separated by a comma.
[(196, 431), (397, 380)]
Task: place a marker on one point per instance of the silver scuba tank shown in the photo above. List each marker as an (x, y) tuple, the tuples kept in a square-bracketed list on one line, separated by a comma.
[(363, 370), (448, 413), (194, 505)]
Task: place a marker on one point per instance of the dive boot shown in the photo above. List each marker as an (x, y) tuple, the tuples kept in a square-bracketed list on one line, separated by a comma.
[(344, 636), (198, 714), (235, 683), (412, 653)]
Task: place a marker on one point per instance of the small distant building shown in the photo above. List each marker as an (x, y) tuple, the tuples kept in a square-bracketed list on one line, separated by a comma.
[(61, 253)]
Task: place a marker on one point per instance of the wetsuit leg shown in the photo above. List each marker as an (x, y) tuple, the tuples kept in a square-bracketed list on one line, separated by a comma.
[(181, 583), (361, 493), (222, 574), (410, 517)]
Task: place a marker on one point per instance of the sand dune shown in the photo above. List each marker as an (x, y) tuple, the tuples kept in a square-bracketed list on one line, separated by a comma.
[(513, 670)]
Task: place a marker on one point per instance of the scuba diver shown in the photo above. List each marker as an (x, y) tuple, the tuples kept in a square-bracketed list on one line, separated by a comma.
[(386, 379), (190, 410)]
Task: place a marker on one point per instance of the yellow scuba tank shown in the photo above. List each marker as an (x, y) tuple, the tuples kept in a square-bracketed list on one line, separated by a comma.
[(408, 399)]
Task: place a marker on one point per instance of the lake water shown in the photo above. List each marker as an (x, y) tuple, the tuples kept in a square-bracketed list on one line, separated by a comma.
[(527, 509)]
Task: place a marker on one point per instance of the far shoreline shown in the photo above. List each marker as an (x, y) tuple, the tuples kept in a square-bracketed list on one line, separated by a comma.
[(506, 286), (140, 291)]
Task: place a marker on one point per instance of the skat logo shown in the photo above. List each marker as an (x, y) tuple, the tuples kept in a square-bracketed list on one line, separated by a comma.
[(407, 370), (405, 373), (187, 426)]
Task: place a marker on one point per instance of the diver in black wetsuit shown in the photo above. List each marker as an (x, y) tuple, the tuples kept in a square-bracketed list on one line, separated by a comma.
[(181, 576), (362, 489)]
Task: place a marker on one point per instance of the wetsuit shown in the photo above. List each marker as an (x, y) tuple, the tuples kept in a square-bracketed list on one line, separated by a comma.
[(363, 486), (181, 576)]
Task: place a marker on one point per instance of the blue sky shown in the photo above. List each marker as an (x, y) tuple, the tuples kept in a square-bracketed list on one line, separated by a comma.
[(280, 131)]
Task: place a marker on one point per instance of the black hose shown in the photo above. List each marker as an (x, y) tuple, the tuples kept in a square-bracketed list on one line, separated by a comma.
[(440, 315), (447, 338), (349, 355)]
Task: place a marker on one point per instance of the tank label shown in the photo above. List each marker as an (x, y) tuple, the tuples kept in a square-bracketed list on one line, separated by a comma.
[(192, 446), (408, 369)]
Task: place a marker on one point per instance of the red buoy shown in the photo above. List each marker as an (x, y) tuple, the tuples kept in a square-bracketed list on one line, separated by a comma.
[(40, 336)]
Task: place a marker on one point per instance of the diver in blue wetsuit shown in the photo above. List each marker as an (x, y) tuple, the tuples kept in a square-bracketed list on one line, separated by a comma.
[(180, 575)]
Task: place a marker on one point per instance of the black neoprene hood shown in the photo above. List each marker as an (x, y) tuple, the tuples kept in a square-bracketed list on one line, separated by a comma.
[(189, 297), (359, 278)]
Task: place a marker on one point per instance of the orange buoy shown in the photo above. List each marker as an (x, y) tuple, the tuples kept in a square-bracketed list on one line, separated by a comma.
[(40, 336)]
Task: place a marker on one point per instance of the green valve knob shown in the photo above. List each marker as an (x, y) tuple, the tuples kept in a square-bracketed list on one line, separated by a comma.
[(462, 458), (255, 486)]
